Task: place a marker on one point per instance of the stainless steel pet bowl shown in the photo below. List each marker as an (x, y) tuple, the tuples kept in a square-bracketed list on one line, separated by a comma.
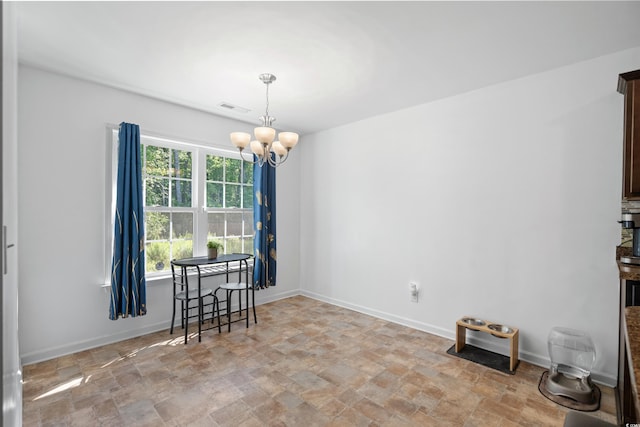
[(500, 328), (471, 321)]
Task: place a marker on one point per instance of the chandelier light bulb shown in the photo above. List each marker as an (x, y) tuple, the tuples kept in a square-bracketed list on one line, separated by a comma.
[(264, 134), (240, 139), (277, 148), (288, 139), (257, 148)]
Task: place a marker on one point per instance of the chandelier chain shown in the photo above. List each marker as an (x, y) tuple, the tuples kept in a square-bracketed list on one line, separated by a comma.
[(267, 109)]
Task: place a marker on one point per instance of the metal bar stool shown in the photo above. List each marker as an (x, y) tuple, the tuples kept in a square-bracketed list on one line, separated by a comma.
[(182, 293), (239, 286)]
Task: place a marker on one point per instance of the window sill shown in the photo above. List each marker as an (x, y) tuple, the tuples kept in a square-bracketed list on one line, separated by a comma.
[(214, 271), (158, 277), (153, 280)]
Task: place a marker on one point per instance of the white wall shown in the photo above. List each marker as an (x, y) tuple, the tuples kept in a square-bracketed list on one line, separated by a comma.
[(61, 155), (501, 203)]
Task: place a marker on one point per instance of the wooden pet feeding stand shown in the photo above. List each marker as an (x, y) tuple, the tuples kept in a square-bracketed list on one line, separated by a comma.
[(495, 329)]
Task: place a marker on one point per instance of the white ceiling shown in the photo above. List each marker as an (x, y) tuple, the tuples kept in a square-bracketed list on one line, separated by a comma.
[(336, 62)]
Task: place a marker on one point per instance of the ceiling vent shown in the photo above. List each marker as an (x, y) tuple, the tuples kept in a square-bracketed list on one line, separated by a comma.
[(237, 109)]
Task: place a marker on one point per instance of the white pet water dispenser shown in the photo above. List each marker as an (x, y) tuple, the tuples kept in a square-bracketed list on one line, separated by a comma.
[(572, 356)]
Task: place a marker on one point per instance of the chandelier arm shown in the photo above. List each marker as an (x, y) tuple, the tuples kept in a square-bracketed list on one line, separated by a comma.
[(276, 163), (270, 161), (253, 162), (284, 158)]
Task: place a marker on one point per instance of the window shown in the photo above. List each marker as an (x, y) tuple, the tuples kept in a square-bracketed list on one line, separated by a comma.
[(167, 175), (229, 201), (191, 194)]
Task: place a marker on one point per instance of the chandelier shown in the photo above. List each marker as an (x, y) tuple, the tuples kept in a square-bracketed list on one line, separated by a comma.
[(264, 146)]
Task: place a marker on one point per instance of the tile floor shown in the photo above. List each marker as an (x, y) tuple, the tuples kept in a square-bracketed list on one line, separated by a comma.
[(306, 363)]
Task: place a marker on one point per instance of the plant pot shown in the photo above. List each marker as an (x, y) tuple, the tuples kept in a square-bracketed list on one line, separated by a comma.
[(212, 253)]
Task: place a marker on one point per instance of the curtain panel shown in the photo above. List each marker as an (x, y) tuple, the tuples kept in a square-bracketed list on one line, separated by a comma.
[(264, 215), (128, 286)]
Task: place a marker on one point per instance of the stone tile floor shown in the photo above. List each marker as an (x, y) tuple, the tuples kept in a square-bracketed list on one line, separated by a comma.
[(306, 363)]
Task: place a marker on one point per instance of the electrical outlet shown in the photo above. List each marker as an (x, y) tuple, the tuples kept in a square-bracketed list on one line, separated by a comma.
[(414, 290)]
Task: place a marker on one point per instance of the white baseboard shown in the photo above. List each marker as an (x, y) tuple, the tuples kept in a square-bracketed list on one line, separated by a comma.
[(478, 341), (82, 345), (263, 296)]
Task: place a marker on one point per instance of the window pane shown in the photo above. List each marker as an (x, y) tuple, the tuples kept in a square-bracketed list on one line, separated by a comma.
[(157, 192), (247, 196), (232, 196), (234, 224), (157, 161), (157, 256), (159, 252), (248, 245), (234, 167), (182, 249), (216, 225), (156, 226), (214, 168), (248, 173), (214, 195), (180, 193), (248, 223), (233, 245), (182, 225), (181, 164)]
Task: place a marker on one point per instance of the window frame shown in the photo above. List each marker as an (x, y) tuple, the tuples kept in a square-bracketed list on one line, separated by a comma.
[(198, 197), (242, 210)]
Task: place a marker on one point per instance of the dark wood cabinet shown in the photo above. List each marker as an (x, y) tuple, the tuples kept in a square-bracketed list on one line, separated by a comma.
[(625, 399), (629, 86)]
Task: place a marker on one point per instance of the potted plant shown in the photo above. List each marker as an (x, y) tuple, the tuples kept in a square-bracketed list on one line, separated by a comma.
[(212, 248)]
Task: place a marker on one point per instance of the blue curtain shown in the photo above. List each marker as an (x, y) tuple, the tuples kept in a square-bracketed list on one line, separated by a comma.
[(264, 217), (128, 286)]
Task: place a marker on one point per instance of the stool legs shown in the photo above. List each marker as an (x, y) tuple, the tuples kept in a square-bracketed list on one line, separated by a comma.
[(184, 318), (229, 293), (173, 317), (253, 303), (217, 308), (229, 298)]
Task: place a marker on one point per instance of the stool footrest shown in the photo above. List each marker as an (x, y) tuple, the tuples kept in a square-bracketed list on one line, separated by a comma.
[(193, 294)]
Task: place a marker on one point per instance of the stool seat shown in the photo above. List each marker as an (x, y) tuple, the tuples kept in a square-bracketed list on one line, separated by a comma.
[(235, 286), (230, 288)]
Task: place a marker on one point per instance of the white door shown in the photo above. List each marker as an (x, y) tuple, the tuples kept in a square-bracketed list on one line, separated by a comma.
[(11, 367)]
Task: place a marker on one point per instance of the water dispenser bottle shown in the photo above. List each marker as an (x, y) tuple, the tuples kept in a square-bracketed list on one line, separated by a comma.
[(572, 356)]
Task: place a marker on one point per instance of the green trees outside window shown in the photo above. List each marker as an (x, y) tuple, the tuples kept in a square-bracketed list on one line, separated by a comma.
[(229, 195), (171, 187), (168, 182)]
